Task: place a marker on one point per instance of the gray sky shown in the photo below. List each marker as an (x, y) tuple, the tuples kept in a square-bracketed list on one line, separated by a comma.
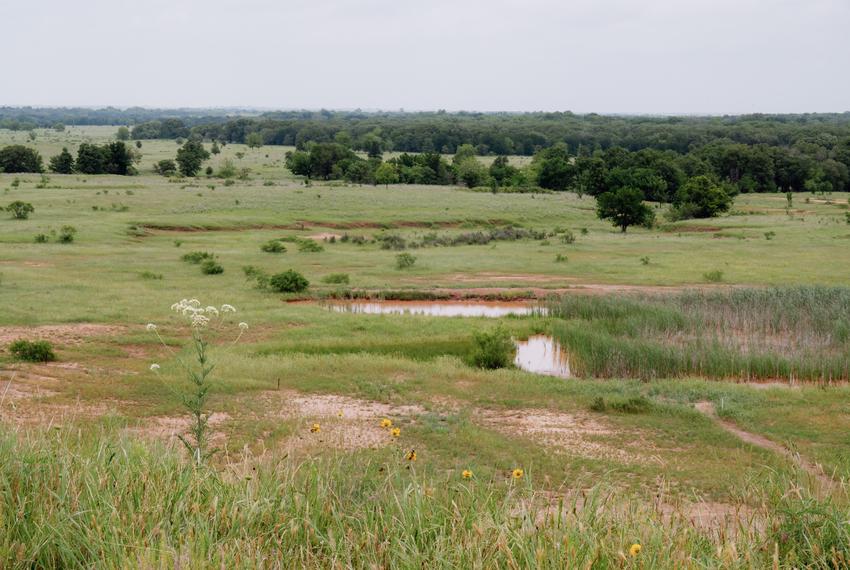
[(605, 56)]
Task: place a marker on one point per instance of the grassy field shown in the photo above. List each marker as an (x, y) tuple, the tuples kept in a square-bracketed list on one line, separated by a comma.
[(91, 473)]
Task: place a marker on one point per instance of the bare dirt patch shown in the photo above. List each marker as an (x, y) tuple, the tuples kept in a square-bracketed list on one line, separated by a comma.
[(60, 334), (167, 428), (573, 433), (324, 236), (344, 423)]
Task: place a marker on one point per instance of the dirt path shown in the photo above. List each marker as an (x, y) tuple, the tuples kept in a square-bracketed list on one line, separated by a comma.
[(826, 483)]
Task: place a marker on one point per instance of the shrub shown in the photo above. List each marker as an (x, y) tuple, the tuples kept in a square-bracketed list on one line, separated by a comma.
[(631, 405), (166, 167), (289, 281), (560, 258), (66, 234), (715, 276), (41, 238), (197, 257), (847, 217), (392, 241), (20, 210), (404, 261), (568, 237), (32, 350), (211, 267), (769, 235), (309, 246), (644, 260), (493, 349), (150, 275), (336, 279), (273, 246)]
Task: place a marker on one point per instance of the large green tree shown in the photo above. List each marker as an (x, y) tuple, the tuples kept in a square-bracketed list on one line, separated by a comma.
[(624, 207)]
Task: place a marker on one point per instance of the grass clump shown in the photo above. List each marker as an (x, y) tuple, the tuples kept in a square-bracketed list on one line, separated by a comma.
[(336, 279), (32, 350), (404, 261), (714, 276), (197, 257)]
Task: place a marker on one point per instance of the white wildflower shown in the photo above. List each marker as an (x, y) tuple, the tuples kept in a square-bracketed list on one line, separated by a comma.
[(194, 303), (150, 327), (228, 308), (200, 321), (243, 326), (211, 311), (176, 307), (154, 367)]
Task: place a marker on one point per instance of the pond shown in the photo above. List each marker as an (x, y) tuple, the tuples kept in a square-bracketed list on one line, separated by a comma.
[(542, 354), (439, 308)]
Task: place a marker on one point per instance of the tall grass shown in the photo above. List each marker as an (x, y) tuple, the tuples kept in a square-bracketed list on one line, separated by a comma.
[(71, 499), (800, 333)]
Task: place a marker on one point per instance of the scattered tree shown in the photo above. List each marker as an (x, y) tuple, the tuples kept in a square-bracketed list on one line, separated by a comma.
[(624, 207), (62, 163), (191, 156)]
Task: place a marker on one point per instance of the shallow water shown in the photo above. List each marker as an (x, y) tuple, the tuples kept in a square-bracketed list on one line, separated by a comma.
[(542, 354), (438, 308)]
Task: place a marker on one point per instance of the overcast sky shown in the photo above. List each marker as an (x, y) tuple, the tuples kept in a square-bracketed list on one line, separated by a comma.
[(605, 56)]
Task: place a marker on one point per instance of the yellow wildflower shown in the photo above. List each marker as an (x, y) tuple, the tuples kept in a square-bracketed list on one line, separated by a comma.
[(316, 428), (411, 455), (635, 549), (395, 432), (467, 474), (517, 473), (386, 423)]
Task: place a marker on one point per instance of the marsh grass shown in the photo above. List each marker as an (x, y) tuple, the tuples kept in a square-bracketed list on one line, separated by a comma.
[(800, 333)]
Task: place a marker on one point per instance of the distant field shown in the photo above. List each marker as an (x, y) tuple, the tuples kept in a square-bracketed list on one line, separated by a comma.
[(300, 364)]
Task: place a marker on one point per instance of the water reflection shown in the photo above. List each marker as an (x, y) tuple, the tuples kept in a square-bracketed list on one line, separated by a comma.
[(439, 308), (542, 354)]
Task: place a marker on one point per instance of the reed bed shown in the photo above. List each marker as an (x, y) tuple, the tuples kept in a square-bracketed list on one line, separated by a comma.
[(789, 334)]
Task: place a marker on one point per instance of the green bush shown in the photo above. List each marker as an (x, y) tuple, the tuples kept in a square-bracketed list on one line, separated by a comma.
[(309, 246), (273, 246), (20, 210), (41, 238), (32, 350), (336, 279), (66, 234), (404, 261), (493, 349), (289, 281), (211, 267)]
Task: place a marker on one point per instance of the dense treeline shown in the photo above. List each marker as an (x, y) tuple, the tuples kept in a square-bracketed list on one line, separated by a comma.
[(27, 118), (525, 134)]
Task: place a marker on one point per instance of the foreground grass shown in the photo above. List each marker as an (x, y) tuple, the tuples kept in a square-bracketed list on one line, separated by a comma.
[(87, 500)]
